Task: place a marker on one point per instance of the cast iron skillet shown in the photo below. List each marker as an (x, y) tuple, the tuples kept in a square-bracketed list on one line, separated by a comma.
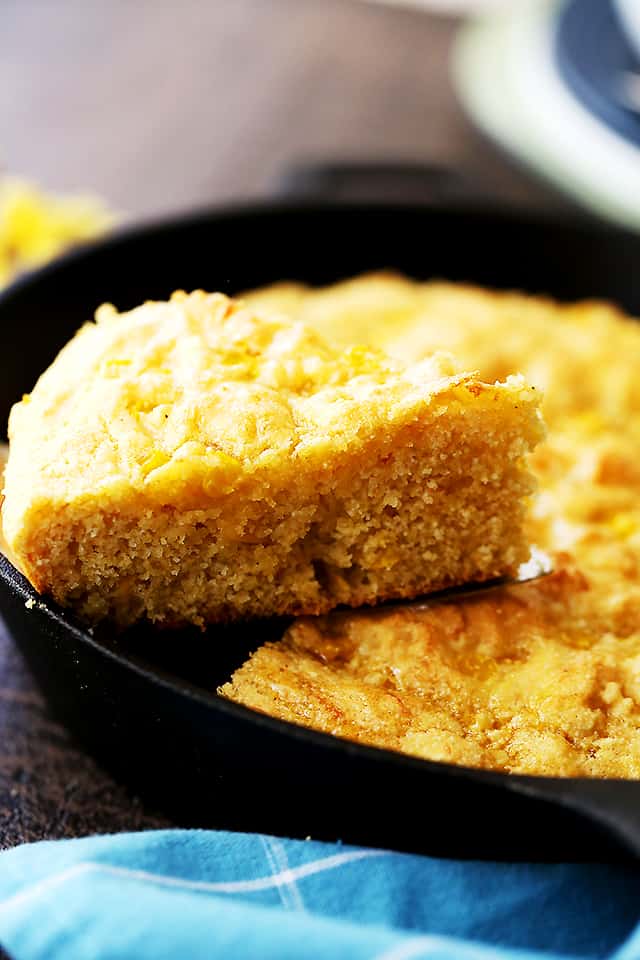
[(144, 702)]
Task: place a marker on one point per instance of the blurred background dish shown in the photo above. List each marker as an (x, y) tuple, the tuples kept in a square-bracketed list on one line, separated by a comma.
[(629, 13), (543, 80), (598, 63)]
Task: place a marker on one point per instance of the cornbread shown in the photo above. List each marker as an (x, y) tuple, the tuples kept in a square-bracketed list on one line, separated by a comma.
[(566, 350), (197, 461), (539, 678), (517, 681)]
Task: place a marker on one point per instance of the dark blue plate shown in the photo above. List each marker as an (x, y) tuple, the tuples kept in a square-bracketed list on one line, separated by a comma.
[(593, 54)]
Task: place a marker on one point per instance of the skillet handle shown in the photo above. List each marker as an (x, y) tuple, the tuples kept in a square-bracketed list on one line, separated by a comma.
[(382, 180), (611, 807)]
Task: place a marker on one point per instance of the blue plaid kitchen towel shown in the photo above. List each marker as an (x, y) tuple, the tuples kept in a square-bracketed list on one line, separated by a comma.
[(202, 894)]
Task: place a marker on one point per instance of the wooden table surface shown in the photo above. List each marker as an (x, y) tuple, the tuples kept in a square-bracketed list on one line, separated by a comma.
[(159, 106)]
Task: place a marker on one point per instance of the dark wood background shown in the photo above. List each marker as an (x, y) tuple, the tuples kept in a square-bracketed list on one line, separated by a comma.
[(161, 106)]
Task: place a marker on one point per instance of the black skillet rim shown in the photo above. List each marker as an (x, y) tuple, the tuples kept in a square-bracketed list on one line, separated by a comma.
[(584, 224)]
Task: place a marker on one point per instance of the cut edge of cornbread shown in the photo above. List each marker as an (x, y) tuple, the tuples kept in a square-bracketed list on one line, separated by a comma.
[(194, 462)]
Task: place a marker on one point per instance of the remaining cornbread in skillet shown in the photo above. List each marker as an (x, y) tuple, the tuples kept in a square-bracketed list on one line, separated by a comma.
[(195, 461), (524, 679), (540, 678)]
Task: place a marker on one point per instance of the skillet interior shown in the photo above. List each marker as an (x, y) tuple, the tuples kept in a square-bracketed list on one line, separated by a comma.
[(143, 701)]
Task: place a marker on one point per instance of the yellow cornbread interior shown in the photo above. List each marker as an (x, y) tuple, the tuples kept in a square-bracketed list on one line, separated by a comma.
[(540, 678), (195, 460)]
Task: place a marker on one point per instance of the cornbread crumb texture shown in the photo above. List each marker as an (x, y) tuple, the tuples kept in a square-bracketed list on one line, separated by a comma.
[(544, 677), (195, 460)]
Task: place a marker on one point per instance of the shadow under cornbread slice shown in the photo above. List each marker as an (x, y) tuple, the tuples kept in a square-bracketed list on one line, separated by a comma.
[(195, 461)]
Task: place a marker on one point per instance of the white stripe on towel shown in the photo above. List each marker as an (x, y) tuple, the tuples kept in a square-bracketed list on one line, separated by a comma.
[(288, 876)]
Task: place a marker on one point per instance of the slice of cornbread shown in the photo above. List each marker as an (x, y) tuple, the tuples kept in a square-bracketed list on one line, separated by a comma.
[(196, 461)]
